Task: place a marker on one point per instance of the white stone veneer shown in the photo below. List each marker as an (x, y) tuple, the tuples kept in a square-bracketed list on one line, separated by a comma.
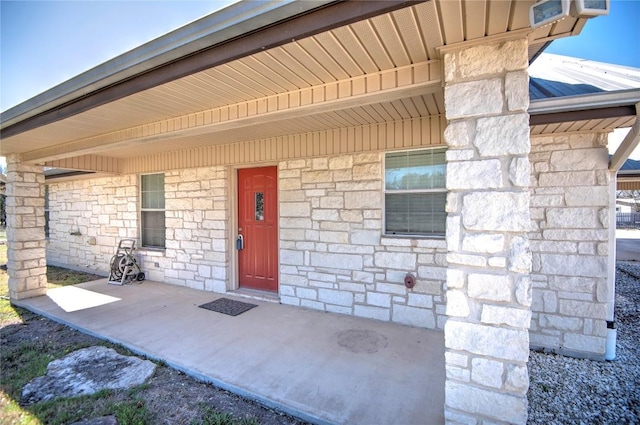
[(570, 243), (333, 256)]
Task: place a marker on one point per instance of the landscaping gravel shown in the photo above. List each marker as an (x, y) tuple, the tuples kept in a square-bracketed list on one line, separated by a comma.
[(565, 390)]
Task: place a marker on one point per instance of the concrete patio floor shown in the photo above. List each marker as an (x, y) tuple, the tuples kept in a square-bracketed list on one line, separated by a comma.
[(320, 367)]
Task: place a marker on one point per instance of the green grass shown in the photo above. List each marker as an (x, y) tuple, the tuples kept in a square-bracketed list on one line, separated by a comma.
[(214, 417)]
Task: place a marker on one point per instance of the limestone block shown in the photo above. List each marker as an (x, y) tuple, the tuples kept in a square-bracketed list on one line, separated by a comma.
[(365, 237), (420, 300), (496, 211), (293, 223), (460, 155), (502, 407), (489, 287), (573, 265), (378, 299), (370, 171), (453, 202), (316, 176), (596, 196), (453, 233), (524, 290), (369, 312), (584, 343), (583, 309), (457, 304), (486, 59), (483, 242), (458, 374), (336, 261), (517, 378), (289, 184), (520, 172), (516, 89), (487, 372), (573, 283), (473, 98), (456, 359), (395, 260), (576, 234), (291, 257), (562, 179), (552, 321), (413, 316), (295, 209), (467, 260), (455, 278), (363, 200), (466, 175), (503, 135), (572, 218), (579, 159), (553, 246), (391, 288), (498, 315), (352, 216), (459, 134), (519, 255), (456, 418), (341, 162), (335, 297), (481, 339)]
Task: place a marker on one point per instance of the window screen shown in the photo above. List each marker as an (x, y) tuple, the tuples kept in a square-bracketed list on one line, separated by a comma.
[(415, 192)]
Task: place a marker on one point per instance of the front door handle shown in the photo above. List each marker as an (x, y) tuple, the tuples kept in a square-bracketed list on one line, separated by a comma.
[(240, 242)]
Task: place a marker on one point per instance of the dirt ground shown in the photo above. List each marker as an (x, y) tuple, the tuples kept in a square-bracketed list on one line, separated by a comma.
[(171, 396)]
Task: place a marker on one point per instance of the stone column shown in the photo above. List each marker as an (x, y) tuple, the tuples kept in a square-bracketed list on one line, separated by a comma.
[(27, 264), (488, 282)]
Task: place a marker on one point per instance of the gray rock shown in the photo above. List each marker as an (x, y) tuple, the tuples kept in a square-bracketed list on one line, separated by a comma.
[(85, 372), (104, 420)]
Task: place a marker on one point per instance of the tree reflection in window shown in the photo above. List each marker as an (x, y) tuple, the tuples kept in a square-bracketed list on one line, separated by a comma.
[(259, 196)]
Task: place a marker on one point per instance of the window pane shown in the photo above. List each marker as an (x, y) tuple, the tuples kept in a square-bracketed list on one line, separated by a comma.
[(411, 170), (415, 213), (152, 191), (153, 228), (259, 206)]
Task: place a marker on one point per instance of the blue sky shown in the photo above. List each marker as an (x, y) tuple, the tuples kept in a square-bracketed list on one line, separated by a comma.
[(44, 43)]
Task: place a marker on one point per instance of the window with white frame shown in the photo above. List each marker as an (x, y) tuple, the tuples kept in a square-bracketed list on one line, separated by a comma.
[(415, 192), (152, 210)]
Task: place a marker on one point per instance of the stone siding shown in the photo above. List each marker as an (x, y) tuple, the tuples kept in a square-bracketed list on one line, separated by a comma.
[(570, 243), (333, 256), (488, 283), (88, 218)]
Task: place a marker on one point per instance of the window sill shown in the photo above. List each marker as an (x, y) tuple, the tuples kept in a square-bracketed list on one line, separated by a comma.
[(422, 241)]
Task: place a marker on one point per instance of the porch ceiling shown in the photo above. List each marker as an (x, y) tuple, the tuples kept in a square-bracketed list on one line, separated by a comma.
[(403, 39)]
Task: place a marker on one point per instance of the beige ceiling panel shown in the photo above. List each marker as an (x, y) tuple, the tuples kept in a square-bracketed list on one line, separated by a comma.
[(304, 58), (376, 53), (520, 14), (266, 81), (410, 106), (296, 66), (388, 31), (452, 20), (474, 19), (314, 48), (339, 53), (272, 65), (273, 76), (430, 27), (498, 16), (356, 50), (407, 22), (253, 87)]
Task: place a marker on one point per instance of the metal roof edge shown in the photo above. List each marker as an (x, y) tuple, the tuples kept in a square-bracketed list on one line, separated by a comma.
[(222, 25), (582, 102)]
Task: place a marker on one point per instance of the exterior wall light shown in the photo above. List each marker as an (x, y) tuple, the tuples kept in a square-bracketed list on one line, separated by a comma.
[(546, 12), (591, 7)]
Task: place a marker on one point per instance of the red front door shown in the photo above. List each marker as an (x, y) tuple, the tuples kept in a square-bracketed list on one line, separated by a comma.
[(258, 226)]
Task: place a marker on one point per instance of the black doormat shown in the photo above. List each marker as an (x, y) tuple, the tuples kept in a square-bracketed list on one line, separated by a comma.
[(227, 306)]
